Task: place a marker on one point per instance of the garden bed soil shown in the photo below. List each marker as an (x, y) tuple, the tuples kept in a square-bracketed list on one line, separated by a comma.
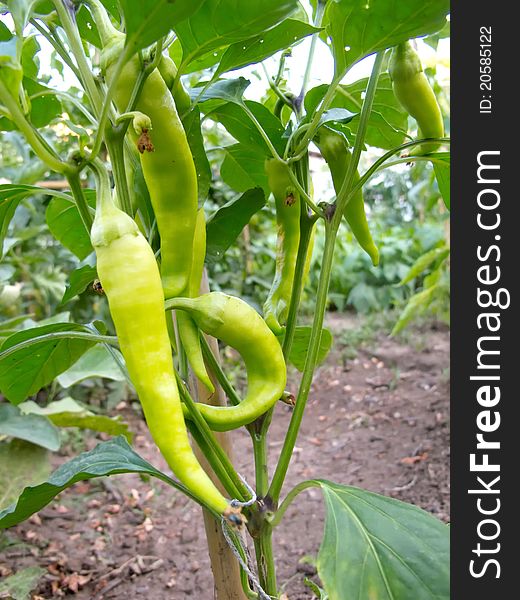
[(379, 421)]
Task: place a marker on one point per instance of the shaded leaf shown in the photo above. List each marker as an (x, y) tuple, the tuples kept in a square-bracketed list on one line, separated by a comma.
[(107, 458), (20, 585), (10, 197), (225, 225), (65, 224), (68, 413), (79, 280), (300, 346), (243, 168), (231, 90), (26, 370), (21, 464), (191, 123), (240, 125), (35, 429)]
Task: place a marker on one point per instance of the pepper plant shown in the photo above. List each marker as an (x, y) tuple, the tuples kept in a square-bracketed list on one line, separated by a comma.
[(140, 141)]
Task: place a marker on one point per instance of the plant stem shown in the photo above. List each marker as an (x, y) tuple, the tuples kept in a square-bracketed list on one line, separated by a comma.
[(310, 365), (33, 139), (209, 438), (214, 366), (114, 138), (366, 109), (56, 43), (75, 43), (79, 197), (331, 230), (265, 560), (261, 131), (284, 505), (320, 9)]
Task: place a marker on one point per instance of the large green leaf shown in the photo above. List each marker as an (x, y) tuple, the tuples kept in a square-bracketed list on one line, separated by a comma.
[(240, 125), (243, 168), (359, 28), (36, 429), (300, 346), (148, 20), (387, 123), (220, 23), (32, 358), (107, 458), (68, 413), (260, 47), (378, 547), (225, 225), (65, 224), (20, 585), (21, 464), (98, 361)]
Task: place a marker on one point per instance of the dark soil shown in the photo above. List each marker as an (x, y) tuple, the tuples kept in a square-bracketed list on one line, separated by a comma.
[(378, 421)]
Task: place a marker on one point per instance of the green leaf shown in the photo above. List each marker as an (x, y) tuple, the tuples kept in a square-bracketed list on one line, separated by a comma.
[(378, 547), (36, 429), (317, 591), (239, 124), (65, 224), (300, 346), (191, 123), (148, 20), (79, 280), (44, 109), (225, 225), (5, 34), (243, 168), (442, 173), (10, 197), (260, 47), (96, 362), (230, 90), (387, 123), (417, 304), (219, 23), (433, 40), (21, 464), (359, 28), (107, 458), (26, 370), (20, 585), (68, 413), (423, 262)]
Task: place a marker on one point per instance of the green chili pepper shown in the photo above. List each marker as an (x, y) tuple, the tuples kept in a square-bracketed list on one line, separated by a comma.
[(130, 278), (288, 208), (237, 324), (188, 330), (334, 150), (168, 71), (412, 89), (166, 158)]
